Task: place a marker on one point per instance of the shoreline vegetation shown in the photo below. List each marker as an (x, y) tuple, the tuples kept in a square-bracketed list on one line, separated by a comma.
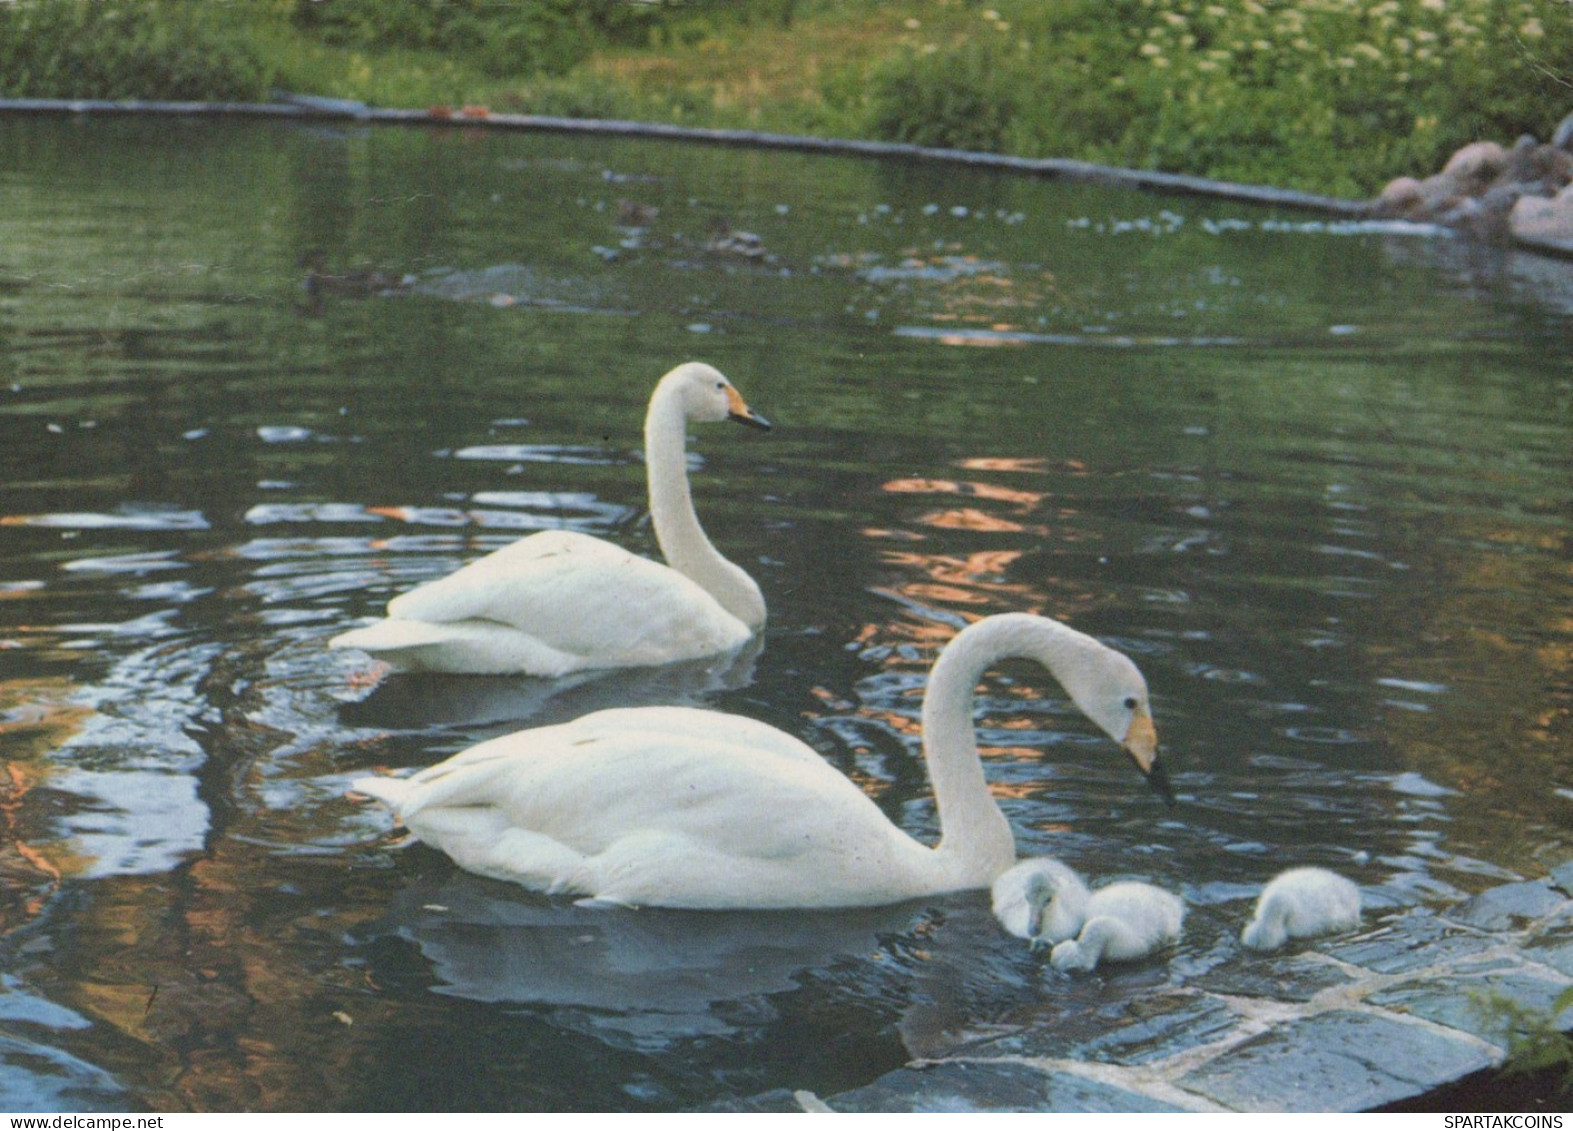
[(1334, 97)]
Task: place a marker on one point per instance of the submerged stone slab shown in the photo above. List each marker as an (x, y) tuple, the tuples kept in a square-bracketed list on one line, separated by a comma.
[(775, 1101), (1134, 1032), (1293, 977), (1337, 1061), (1509, 907), (1410, 942), (967, 1086), (1554, 947), (1475, 1001), (1561, 876)]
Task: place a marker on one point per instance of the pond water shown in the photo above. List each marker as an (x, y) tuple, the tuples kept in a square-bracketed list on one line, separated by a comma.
[(1315, 477)]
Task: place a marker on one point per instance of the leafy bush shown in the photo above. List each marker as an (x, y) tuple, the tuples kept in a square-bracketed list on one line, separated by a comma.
[(1335, 95), (503, 37), (961, 99), (125, 49)]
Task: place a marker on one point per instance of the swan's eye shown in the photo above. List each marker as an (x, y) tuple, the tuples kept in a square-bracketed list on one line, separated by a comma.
[(1130, 703), (720, 384)]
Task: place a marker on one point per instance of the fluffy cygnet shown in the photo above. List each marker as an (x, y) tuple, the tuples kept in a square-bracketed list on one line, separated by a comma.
[(1124, 922), (1040, 899), (1300, 904), (1045, 901)]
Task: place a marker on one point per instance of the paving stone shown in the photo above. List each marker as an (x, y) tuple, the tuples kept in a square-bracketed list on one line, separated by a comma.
[(969, 1086), (1438, 1030), (1336, 1061), (36, 1077), (1410, 942), (1562, 874), (774, 1101), (1278, 977), (1130, 1032), (1554, 947), (1462, 999), (1509, 907)]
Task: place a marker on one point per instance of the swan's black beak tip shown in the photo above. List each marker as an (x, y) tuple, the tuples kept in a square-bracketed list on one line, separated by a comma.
[(752, 419), (1158, 779)]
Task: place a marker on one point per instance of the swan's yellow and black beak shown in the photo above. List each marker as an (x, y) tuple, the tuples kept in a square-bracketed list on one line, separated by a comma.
[(1141, 743), (737, 409)]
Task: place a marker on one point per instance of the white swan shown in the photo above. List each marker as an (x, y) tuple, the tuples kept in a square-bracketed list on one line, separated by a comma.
[(1046, 901), (1125, 921), (678, 807), (1300, 904), (560, 602)]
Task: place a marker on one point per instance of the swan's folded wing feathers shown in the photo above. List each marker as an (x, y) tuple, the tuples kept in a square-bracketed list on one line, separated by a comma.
[(581, 596)]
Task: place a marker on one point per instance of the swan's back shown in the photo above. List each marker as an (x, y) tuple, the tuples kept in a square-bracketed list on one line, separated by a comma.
[(1302, 903), (661, 806), (550, 604), (1125, 922), (1148, 912)]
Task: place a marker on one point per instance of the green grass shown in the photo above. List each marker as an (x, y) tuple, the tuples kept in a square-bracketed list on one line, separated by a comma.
[(1325, 95)]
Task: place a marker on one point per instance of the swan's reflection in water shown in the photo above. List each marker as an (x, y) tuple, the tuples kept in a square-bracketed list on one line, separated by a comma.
[(645, 975), (485, 706)]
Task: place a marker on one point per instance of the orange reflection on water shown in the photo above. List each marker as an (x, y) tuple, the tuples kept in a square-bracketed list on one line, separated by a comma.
[(36, 716), (971, 518), (1035, 465), (1024, 501)]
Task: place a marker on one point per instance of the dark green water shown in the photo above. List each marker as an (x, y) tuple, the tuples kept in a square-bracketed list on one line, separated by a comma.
[(1315, 478)]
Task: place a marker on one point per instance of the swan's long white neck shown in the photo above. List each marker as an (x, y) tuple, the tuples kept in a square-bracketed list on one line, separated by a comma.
[(976, 839), (682, 540)]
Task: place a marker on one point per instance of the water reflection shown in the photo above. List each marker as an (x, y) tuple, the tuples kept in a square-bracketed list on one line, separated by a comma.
[(651, 973), (493, 705), (1312, 476)]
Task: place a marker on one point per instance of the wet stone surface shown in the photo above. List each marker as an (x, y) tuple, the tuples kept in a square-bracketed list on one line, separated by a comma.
[(1136, 1032), (1415, 1002), (1001, 1086), (1342, 1061)]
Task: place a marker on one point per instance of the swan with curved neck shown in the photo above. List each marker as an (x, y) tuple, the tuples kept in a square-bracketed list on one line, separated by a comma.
[(677, 807), (560, 602)]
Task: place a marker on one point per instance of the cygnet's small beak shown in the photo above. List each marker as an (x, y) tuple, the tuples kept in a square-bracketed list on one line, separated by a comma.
[(1141, 743), (737, 409)]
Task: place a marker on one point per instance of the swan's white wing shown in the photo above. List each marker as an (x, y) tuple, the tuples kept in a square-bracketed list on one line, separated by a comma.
[(570, 597), (658, 816)]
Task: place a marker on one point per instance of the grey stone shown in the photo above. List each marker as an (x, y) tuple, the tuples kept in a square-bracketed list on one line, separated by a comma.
[(776, 1100), (1468, 1002), (1337, 1061), (37, 1077), (1508, 907), (1562, 874), (1278, 977), (1553, 946), (1135, 1032), (978, 1086), (1410, 942)]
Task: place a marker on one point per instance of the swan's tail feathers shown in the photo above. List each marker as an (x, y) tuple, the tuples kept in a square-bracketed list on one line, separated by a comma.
[(480, 647), (390, 635), (391, 792)]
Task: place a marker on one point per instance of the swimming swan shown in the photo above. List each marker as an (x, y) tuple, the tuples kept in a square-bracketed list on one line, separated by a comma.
[(1125, 921), (1044, 900), (559, 602), (1300, 904), (678, 807)]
